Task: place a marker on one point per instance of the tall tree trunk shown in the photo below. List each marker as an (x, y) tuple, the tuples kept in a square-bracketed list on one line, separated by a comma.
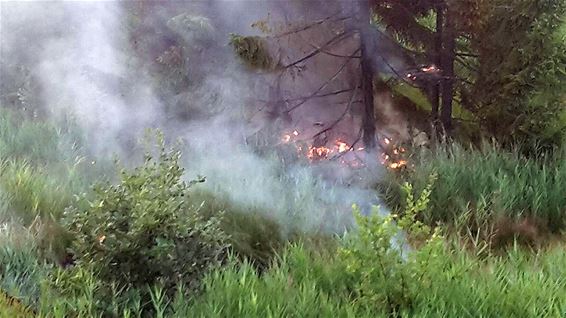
[(435, 96), (448, 57), (368, 122)]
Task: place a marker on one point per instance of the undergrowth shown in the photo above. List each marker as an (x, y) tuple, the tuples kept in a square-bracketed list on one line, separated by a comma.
[(488, 188), (401, 265)]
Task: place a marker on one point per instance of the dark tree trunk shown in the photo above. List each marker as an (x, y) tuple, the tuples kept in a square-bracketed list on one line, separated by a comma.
[(368, 123), (435, 95), (448, 57)]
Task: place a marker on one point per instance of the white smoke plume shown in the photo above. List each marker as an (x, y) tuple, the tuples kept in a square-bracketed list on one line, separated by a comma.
[(81, 55)]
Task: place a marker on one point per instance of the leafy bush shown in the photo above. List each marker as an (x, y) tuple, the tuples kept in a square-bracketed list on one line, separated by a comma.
[(386, 278), (146, 229)]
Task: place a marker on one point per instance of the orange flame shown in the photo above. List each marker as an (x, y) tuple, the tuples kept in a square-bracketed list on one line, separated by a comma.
[(397, 165), (340, 147)]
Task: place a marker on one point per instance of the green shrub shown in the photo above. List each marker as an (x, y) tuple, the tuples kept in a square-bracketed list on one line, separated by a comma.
[(387, 279), (371, 277), (146, 229)]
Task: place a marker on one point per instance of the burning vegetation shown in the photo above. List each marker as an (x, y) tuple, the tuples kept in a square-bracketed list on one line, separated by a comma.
[(390, 155)]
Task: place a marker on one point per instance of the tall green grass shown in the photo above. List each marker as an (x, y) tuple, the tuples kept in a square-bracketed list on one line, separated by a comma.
[(41, 167), (487, 183), (453, 284)]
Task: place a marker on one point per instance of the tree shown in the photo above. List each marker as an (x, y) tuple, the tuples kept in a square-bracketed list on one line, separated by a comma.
[(337, 50), (519, 89), (500, 60), (455, 52)]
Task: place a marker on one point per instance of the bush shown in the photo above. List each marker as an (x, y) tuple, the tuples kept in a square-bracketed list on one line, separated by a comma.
[(145, 229)]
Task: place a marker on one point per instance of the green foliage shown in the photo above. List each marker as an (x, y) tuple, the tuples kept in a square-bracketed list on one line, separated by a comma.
[(145, 229), (375, 258), (369, 277), (292, 289), (21, 270), (41, 167), (413, 208), (76, 292), (21, 138), (253, 51), (30, 192), (477, 186), (522, 54), (252, 236)]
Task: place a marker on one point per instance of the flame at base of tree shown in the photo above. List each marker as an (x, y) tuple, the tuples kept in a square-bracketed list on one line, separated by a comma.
[(391, 156)]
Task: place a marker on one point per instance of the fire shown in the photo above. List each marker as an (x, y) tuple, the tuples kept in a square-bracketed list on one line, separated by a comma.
[(389, 158), (315, 153), (342, 146), (431, 68), (288, 137), (397, 165)]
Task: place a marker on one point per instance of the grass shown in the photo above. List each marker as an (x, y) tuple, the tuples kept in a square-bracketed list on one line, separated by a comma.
[(274, 273), (485, 184), (41, 167), (458, 285)]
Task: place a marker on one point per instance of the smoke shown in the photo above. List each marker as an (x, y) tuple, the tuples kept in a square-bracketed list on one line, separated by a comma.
[(84, 63)]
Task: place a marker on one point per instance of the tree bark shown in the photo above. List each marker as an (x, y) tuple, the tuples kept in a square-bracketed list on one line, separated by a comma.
[(448, 57), (368, 122), (435, 95)]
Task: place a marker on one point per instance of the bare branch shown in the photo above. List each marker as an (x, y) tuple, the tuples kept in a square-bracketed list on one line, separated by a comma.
[(341, 36), (403, 78), (333, 54), (324, 85), (339, 119), (334, 93), (465, 54), (312, 25), (358, 139)]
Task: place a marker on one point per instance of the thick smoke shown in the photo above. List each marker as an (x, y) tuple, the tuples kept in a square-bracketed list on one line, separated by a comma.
[(81, 55)]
